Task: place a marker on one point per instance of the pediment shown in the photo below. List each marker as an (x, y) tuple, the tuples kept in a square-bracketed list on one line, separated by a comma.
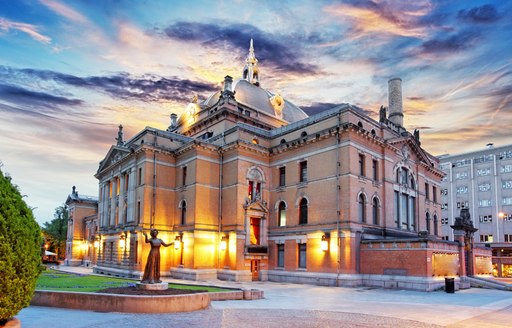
[(256, 206), (408, 149), (114, 155)]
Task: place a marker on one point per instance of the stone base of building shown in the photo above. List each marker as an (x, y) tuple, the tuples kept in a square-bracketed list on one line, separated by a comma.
[(234, 275), (123, 273), (194, 274), (156, 286), (73, 262), (362, 280)]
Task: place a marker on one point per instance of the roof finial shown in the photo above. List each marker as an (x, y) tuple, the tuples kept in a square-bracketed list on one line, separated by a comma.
[(119, 138), (251, 71)]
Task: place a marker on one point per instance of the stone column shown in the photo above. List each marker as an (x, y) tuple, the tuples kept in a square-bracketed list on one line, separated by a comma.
[(458, 235)]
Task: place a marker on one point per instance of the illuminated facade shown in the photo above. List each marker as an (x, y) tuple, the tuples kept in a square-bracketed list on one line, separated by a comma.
[(81, 248), (251, 188)]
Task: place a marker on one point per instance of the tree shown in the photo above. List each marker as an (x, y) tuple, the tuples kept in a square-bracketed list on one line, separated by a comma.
[(20, 260), (56, 231)]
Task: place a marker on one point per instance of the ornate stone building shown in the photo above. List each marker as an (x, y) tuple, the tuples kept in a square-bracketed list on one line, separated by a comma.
[(252, 188)]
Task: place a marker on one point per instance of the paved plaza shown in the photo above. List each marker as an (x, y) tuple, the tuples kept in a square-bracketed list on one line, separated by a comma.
[(293, 305)]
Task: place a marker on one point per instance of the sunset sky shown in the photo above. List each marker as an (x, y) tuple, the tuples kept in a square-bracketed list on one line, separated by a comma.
[(72, 71)]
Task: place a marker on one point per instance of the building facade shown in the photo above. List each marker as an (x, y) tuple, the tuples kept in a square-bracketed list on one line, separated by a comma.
[(249, 187), (481, 181), (81, 248)]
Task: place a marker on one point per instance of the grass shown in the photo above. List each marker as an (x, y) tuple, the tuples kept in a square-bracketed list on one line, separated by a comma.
[(71, 282)]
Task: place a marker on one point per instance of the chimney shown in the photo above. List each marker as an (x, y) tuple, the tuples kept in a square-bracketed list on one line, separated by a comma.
[(490, 146), (174, 120), (395, 111)]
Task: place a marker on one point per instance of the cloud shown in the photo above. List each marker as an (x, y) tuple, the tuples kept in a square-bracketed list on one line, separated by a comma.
[(283, 51), (147, 88), (29, 29), (64, 11), (401, 18), (18, 95), (454, 43), (483, 14)]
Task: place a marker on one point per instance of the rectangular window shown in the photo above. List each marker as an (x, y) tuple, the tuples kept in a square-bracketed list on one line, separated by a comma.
[(138, 212), (184, 176), (507, 238), (375, 169), (361, 165), (118, 185), (462, 190), (303, 167), (506, 168), (282, 176), (280, 256), (140, 176), (484, 203), (427, 191), (484, 187), (434, 194), (302, 256), (483, 172), (507, 201), (126, 182), (506, 184), (461, 175), (486, 238)]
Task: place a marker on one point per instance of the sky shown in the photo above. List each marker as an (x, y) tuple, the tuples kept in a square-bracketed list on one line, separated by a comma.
[(72, 71)]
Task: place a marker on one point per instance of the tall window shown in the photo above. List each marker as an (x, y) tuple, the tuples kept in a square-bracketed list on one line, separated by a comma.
[(375, 210), (303, 171), (140, 176), (303, 211), (375, 169), (281, 220), (183, 212), (184, 176), (255, 231), (361, 165), (282, 176), (302, 256), (405, 200), (138, 212), (435, 224), (427, 219), (361, 208), (280, 255), (254, 192), (434, 194), (427, 191)]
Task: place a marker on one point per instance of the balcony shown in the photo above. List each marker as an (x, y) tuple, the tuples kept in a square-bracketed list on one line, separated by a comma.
[(256, 250)]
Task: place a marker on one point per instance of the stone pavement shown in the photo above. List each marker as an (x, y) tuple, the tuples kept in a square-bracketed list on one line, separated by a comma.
[(293, 305)]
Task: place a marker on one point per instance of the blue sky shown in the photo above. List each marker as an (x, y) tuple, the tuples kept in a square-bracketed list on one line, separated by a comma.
[(72, 71)]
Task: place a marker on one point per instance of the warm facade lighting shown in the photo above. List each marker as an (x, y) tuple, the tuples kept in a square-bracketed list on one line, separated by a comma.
[(324, 244), (121, 240), (97, 241), (501, 215)]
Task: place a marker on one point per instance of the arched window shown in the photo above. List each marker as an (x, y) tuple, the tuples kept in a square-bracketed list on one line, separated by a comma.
[(303, 211), (405, 199), (362, 208), (281, 216), (435, 224), (183, 212), (427, 219), (375, 210)]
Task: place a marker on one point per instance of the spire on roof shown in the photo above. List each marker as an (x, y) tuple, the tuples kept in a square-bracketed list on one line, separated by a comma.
[(251, 71)]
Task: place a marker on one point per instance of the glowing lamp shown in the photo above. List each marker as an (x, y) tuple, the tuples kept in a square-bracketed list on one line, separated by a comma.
[(177, 242), (224, 243), (96, 243), (501, 215), (121, 241), (324, 244)]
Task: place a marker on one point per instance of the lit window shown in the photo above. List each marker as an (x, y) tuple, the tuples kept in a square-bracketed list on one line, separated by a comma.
[(282, 214)]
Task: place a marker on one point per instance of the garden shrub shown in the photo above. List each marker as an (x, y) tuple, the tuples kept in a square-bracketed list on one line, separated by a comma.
[(20, 259)]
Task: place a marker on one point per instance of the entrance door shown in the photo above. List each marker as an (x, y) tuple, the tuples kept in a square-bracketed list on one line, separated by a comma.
[(255, 270)]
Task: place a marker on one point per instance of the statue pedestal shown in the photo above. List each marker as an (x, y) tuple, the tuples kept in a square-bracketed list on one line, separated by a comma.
[(155, 286)]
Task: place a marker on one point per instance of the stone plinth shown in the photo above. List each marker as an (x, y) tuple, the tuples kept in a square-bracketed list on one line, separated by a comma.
[(156, 286)]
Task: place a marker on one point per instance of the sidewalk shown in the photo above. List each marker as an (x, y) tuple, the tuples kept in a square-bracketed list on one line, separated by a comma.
[(293, 305)]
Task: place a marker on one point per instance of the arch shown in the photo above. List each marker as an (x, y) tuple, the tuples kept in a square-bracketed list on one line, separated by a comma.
[(435, 224), (360, 124), (303, 211), (427, 221), (183, 206), (304, 134), (281, 214), (283, 141), (375, 210), (256, 174), (361, 207)]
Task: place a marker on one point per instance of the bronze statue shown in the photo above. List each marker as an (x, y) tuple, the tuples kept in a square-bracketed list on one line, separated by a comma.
[(152, 270)]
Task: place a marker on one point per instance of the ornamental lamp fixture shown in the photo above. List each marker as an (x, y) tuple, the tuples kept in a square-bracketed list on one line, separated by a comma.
[(224, 243), (177, 242), (324, 244)]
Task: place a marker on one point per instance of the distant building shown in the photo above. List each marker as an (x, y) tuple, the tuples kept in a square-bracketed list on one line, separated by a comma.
[(250, 188), (481, 181), (81, 248)]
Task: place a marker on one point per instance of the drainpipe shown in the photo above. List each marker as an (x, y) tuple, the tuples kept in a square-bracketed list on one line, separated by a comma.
[(221, 162), (153, 205), (338, 195)]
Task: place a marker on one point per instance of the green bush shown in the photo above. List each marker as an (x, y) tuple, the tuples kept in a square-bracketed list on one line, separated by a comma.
[(20, 259)]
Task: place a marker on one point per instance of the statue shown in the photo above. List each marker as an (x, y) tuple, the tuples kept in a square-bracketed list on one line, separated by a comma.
[(382, 114), (152, 270)]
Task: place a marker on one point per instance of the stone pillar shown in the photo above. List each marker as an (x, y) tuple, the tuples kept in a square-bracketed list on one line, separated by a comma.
[(458, 236)]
